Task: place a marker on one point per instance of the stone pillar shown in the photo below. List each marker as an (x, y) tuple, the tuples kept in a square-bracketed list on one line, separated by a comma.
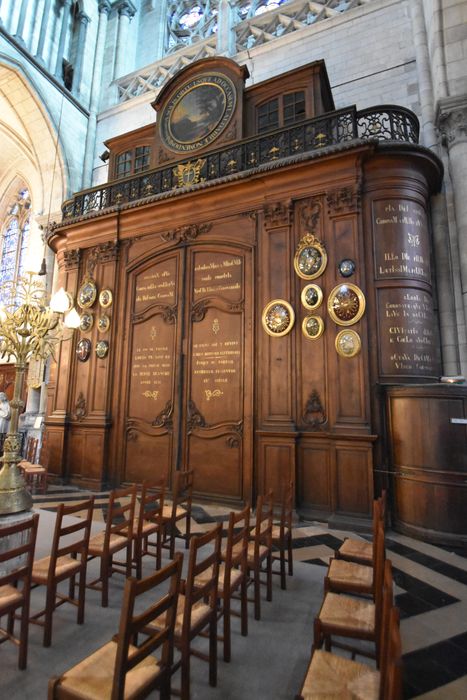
[(78, 68), (126, 10), (452, 122), (159, 28), (61, 41), (21, 21), (43, 29), (225, 32), (104, 11), (441, 237)]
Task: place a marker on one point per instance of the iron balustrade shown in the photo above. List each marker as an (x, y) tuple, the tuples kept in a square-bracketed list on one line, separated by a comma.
[(384, 123)]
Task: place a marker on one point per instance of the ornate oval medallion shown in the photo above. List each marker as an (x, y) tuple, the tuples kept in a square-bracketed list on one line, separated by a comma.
[(313, 327), (311, 258), (103, 324), (87, 293), (102, 349), (312, 296), (348, 343), (83, 349), (86, 322), (346, 304), (278, 318), (105, 298)]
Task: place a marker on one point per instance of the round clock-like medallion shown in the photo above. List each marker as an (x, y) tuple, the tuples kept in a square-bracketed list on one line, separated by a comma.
[(311, 258), (312, 296), (346, 304), (278, 318), (313, 327), (198, 112), (348, 343)]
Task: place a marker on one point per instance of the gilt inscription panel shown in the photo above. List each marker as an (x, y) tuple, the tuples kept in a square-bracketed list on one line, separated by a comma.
[(401, 240), (407, 331)]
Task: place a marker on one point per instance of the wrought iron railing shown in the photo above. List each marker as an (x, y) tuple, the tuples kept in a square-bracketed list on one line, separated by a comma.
[(385, 123)]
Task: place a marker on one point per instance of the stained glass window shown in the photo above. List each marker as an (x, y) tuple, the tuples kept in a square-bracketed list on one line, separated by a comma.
[(14, 242)]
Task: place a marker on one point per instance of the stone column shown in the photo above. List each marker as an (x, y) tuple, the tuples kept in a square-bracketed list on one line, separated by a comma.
[(43, 29), (225, 31), (104, 11), (78, 68), (21, 21), (441, 238), (159, 31), (452, 122), (61, 41), (126, 10)]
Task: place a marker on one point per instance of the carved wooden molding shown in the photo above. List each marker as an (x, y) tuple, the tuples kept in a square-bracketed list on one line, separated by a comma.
[(343, 200), (314, 415), (195, 418), (183, 234), (168, 313), (72, 258), (310, 211), (278, 214), (164, 419), (81, 410), (105, 252)]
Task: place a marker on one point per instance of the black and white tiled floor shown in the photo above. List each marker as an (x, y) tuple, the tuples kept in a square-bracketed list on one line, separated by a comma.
[(431, 592)]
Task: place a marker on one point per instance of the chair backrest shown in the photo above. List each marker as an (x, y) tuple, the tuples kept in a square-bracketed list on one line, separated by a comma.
[(31, 450), (263, 524), (235, 553), (391, 678), (287, 510), (121, 513), (71, 538), (204, 587), (183, 490), (16, 562), (151, 504), (387, 605), (136, 630), (378, 574)]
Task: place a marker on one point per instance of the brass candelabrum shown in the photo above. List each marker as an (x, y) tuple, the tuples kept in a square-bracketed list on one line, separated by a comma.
[(30, 328)]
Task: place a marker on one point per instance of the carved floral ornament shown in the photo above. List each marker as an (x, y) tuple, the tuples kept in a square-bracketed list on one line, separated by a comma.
[(452, 122), (278, 214), (343, 200)]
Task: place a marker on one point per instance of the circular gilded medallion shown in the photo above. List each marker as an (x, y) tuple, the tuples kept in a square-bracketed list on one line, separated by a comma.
[(87, 293), (103, 324), (346, 304), (278, 318), (105, 298), (348, 343), (313, 327), (346, 267), (83, 349), (312, 296), (311, 258), (198, 112), (102, 349), (86, 322)]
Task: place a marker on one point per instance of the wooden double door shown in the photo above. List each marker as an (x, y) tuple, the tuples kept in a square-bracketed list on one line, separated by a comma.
[(187, 372)]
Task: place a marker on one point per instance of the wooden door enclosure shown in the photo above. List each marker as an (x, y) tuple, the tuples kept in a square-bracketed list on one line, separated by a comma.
[(186, 374)]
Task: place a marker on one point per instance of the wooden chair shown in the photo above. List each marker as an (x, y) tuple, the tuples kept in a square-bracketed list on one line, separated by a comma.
[(349, 577), (233, 575), (126, 667), (179, 510), (148, 525), (15, 586), (346, 616), (360, 551), (197, 606), (34, 474), (333, 676), (282, 536), (117, 536), (260, 550), (67, 560)]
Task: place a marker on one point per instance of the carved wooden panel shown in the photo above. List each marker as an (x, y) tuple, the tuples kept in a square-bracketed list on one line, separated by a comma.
[(315, 476), (277, 457)]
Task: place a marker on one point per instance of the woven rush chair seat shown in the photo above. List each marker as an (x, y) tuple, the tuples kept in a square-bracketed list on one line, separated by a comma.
[(360, 551), (337, 678), (63, 566), (98, 543), (35, 475), (342, 611), (15, 586), (349, 577), (125, 668), (180, 512)]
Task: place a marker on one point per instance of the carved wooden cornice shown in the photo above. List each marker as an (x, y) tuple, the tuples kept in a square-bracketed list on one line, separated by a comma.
[(72, 258), (278, 214), (343, 200), (105, 252), (184, 234)]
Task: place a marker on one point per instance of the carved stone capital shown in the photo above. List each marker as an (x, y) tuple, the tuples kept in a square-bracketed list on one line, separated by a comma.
[(452, 121), (126, 8), (104, 7), (278, 214), (72, 258), (343, 200)]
